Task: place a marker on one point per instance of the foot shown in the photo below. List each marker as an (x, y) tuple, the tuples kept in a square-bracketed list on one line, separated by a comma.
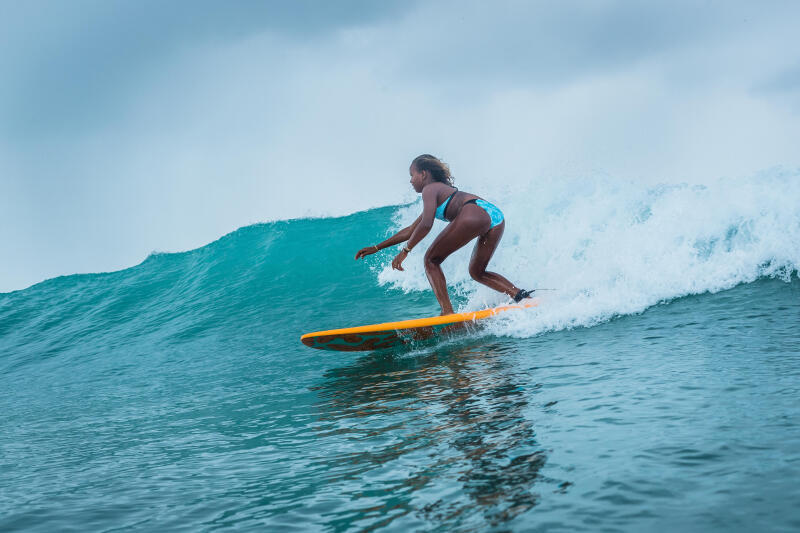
[(522, 294)]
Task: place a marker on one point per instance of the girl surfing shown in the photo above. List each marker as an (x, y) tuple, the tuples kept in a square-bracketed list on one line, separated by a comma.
[(469, 216)]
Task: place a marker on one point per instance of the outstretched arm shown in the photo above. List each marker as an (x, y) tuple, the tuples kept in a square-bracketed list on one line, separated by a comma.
[(401, 236)]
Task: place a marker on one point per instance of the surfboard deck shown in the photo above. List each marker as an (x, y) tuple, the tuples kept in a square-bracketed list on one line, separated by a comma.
[(389, 334)]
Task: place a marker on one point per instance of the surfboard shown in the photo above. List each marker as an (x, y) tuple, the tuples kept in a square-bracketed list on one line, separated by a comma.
[(389, 334)]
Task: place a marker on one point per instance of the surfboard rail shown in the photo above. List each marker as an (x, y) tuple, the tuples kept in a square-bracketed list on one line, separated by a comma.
[(387, 334)]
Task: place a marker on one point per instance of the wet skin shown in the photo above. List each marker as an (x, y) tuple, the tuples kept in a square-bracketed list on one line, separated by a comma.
[(467, 222)]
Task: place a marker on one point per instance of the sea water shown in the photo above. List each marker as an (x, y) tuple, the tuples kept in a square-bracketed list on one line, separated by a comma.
[(657, 389)]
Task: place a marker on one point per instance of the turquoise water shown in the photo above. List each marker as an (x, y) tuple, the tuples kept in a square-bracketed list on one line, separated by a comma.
[(643, 395)]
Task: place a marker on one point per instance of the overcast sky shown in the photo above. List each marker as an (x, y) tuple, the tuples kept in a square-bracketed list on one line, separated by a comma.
[(140, 126)]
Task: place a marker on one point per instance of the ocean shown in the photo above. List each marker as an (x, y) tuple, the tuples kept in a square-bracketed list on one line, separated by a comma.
[(656, 389)]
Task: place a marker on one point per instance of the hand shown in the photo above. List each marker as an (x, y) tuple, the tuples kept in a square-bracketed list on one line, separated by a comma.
[(397, 262), (364, 252)]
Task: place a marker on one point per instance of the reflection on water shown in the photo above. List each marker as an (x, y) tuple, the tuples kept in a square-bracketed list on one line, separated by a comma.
[(439, 437)]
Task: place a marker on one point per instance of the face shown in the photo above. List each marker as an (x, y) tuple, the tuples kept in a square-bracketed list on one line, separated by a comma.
[(417, 178)]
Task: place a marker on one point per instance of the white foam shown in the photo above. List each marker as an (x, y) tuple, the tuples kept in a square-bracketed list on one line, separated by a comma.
[(615, 247)]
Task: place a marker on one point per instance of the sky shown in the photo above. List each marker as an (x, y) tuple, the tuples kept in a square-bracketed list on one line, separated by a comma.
[(133, 127)]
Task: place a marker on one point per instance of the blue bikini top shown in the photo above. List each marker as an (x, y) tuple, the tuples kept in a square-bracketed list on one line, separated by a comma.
[(443, 207)]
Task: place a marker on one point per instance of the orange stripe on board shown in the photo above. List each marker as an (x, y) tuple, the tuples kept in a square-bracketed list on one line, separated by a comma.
[(422, 322)]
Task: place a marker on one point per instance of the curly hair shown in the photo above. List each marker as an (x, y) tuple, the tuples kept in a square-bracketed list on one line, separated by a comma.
[(438, 168)]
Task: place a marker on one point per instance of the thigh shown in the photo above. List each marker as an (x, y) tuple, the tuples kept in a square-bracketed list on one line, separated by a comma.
[(471, 222), (485, 247)]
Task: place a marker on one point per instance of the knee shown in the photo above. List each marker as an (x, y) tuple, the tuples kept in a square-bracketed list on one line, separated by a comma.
[(432, 260), (476, 273)]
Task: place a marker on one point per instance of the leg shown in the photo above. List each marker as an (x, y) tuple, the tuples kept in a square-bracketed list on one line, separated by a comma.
[(470, 222), (484, 249)]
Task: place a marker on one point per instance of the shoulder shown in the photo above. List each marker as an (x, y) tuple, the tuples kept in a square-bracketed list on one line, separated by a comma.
[(432, 190), (436, 188)]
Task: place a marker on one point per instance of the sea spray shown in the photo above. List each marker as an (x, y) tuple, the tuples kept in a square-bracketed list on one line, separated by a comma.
[(617, 247)]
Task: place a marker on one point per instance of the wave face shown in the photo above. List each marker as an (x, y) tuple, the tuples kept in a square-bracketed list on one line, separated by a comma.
[(176, 394), (279, 277)]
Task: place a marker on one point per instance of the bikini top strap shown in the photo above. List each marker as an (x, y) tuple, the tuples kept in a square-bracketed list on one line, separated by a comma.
[(446, 203)]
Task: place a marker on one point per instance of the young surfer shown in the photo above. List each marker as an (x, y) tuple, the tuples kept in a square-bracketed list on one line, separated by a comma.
[(469, 215)]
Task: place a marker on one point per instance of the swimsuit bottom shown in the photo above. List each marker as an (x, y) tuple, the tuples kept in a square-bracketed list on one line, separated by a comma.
[(494, 212)]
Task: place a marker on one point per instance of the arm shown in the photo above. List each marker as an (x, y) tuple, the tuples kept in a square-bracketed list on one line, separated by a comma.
[(425, 221), (424, 225), (397, 238), (401, 236)]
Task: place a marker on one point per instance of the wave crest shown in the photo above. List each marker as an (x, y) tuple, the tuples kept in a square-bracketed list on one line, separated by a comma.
[(616, 247)]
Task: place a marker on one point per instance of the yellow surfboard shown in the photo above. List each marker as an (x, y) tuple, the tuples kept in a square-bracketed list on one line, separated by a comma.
[(388, 334)]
